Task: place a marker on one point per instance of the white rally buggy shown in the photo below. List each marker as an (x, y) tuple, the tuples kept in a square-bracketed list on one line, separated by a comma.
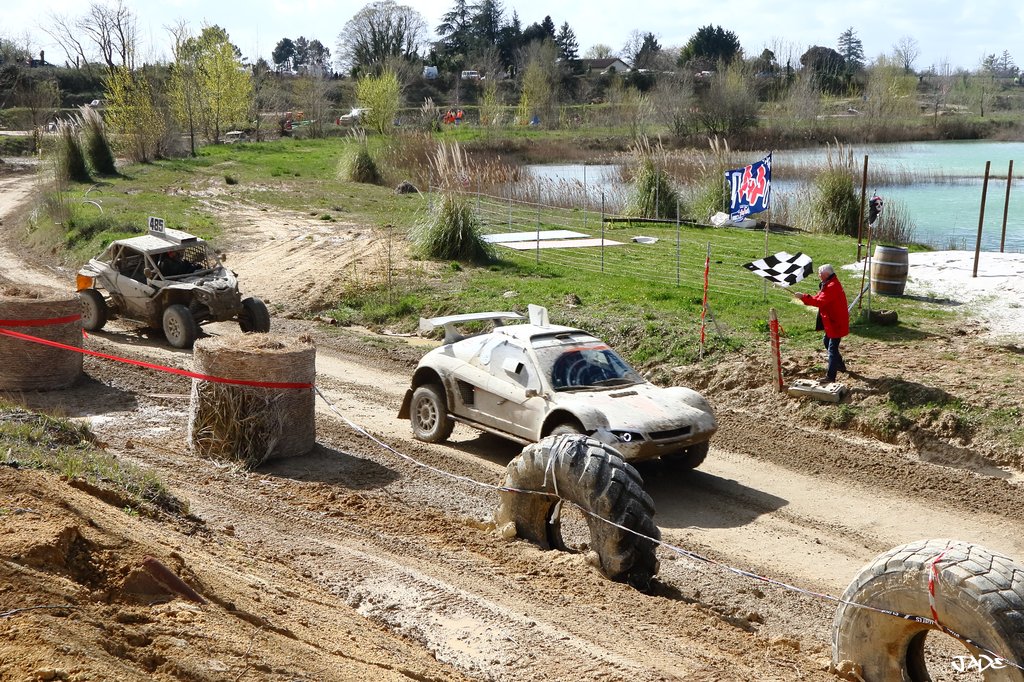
[(528, 381), (167, 279)]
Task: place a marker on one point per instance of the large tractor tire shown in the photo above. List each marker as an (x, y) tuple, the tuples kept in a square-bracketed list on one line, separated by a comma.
[(593, 476), (978, 594), (94, 310)]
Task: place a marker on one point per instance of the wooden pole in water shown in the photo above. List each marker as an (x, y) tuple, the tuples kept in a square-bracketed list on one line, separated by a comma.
[(1006, 206), (981, 218), (863, 198)]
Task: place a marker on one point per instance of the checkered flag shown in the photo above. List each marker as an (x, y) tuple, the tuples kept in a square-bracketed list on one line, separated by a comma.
[(782, 268)]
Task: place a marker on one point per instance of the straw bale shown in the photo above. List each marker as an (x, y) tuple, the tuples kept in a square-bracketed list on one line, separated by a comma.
[(249, 425), (28, 366)]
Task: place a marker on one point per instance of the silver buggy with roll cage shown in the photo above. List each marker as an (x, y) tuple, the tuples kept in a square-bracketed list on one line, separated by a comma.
[(167, 279)]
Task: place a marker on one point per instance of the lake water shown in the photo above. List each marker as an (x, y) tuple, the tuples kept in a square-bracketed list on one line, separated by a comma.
[(943, 198)]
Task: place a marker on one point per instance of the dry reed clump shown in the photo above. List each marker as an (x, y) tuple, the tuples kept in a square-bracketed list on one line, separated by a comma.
[(654, 194), (452, 231), (97, 143), (29, 366), (248, 425), (359, 165)]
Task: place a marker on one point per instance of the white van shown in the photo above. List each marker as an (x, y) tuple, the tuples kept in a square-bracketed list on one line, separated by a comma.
[(470, 75)]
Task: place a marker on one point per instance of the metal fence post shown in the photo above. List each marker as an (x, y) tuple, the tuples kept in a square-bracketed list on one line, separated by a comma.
[(602, 231), (586, 195), (678, 244), (538, 231)]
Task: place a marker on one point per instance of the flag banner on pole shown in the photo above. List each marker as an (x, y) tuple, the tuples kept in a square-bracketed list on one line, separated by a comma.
[(750, 189), (782, 268)]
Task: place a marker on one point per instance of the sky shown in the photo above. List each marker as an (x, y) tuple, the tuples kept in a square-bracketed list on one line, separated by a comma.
[(958, 33)]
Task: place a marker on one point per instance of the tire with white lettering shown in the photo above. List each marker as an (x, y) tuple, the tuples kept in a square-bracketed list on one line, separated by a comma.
[(978, 594), (593, 476)]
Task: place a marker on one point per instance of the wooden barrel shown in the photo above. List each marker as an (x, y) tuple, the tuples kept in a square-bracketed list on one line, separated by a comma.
[(889, 267)]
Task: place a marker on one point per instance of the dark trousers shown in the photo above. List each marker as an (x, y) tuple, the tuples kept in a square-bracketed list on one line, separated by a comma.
[(835, 358)]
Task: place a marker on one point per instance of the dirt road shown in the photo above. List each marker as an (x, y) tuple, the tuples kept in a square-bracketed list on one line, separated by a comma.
[(356, 563)]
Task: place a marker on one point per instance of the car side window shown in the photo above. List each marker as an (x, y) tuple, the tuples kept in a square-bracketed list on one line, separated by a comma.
[(510, 363), (130, 263)]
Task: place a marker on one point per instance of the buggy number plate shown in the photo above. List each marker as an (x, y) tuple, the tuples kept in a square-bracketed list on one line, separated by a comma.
[(156, 224)]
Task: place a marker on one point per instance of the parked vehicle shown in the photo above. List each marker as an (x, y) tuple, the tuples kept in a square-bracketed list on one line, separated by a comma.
[(528, 381), (353, 117), (470, 75), (167, 279)]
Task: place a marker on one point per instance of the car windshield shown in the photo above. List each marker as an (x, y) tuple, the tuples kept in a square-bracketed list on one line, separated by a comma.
[(578, 361)]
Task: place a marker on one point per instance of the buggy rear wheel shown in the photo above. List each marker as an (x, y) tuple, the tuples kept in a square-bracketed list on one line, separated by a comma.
[(255, 317)]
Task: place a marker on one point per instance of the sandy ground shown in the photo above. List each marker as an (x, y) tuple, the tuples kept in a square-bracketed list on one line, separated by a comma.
[(357, 562)]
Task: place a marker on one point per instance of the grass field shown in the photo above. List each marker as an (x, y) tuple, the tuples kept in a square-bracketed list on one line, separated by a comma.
[(647, 299)]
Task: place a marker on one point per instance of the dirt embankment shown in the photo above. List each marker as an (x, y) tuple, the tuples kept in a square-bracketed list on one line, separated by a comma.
[(356, 563)]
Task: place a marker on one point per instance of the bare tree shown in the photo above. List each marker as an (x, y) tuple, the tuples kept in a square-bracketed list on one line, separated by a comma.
[(107, 30), (634, 43), (380, 30), (65, 33), (905, 52), (599, 51), (942, 85)]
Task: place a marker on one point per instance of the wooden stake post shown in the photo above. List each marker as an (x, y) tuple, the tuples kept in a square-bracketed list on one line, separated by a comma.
[(773, 326)]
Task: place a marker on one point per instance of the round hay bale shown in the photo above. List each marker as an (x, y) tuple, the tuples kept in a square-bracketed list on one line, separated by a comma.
[(249, 425), (47, 314)]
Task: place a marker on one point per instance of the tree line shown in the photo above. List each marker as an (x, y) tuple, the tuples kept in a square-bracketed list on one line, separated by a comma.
[(708, 86)]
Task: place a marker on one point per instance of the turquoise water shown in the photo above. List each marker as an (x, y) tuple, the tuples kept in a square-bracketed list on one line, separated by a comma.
[(942, 199), (946, 210)]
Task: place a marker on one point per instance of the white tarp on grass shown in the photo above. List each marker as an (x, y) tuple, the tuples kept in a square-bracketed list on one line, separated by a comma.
[(502, 237), (558, 244)]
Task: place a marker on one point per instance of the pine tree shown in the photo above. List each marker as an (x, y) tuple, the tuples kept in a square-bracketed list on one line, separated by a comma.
[(568, 47), (852, 49)]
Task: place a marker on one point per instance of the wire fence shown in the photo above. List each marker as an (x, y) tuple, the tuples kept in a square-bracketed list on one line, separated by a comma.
[(666, 252)]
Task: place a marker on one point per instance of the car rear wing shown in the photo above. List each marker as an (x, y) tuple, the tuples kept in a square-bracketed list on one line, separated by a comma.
[(451, 334)]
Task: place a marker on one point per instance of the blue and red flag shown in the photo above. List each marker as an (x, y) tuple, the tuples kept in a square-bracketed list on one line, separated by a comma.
[(750, 188)]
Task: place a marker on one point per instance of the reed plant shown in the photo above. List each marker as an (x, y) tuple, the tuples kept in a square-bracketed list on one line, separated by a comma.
[(70, 157), (835, 207), (452, 231), (706, 192), (359, 165), (653, 193), (97, 144)]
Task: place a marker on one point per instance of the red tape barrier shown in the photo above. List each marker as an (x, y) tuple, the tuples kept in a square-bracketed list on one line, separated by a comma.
[(40, 323), (150, 365)]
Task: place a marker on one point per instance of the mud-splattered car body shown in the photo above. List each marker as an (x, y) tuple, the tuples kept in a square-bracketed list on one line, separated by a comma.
[(527, 381)]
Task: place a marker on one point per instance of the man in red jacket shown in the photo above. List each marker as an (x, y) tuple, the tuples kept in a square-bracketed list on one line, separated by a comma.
[(831, 303)]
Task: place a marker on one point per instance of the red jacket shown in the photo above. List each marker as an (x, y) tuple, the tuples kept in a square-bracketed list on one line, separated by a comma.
[(831, 301)]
